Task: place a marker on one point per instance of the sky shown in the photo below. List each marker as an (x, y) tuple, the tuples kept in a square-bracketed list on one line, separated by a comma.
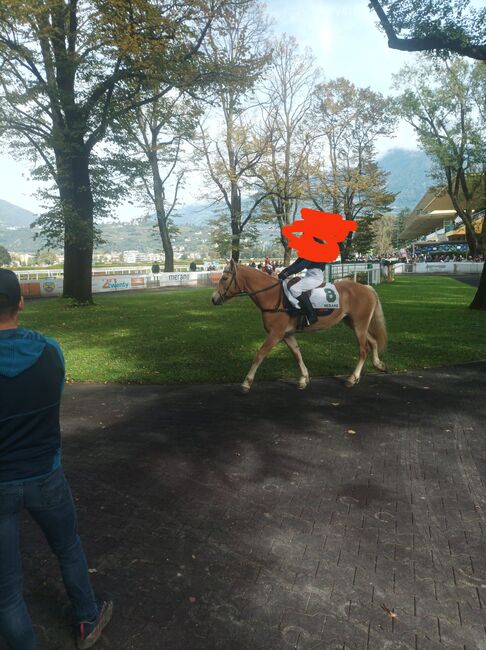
[(346, 43)]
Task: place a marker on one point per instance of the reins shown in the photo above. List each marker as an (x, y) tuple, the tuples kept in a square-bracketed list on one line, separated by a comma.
[(242, 294)]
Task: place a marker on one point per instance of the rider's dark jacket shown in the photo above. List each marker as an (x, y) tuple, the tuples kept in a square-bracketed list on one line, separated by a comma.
[(299, 265)]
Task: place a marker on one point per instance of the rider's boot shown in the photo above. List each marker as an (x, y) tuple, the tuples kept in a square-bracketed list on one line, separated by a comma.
[(307, 308)]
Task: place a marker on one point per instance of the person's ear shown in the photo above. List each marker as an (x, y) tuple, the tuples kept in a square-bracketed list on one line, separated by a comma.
[(21, 303)]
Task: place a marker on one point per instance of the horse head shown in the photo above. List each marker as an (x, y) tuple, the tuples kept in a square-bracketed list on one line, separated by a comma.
[(227, 285)]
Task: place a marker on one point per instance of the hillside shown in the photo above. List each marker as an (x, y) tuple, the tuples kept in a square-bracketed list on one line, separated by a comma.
[(14, 216), (409, 175)]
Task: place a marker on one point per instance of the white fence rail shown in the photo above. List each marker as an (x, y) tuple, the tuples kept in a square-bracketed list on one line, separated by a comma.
[(456, 268), (49, 282), (375, 273), (40, 274)]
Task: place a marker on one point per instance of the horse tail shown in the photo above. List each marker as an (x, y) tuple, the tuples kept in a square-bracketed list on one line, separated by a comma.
[(377, 327)]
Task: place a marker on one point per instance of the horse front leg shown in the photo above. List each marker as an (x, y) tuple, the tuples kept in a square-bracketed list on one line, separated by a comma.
[(293, 346), (271, 340), (353, 379)]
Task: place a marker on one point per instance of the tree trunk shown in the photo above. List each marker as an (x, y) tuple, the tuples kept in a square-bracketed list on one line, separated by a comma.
[(345, 247), (235, 241), (159, 202), (287, 250), (77, 272), (166, 243), (235, 220), (77, 207), (479, 300)]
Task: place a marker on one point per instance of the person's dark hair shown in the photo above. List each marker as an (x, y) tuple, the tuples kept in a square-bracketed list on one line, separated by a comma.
[(9, 295), (7, 313)]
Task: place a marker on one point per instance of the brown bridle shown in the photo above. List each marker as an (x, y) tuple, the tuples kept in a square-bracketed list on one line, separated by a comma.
[(251, 293)]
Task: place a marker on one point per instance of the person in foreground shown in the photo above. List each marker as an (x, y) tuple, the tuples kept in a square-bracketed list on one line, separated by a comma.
[(31, 476)]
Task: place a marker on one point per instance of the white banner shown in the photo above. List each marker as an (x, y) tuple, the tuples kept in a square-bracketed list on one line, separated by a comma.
[(172, 279)]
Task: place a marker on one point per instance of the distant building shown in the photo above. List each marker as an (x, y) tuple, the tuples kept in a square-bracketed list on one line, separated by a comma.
[(433, 226), (131, 257), (23, 259)]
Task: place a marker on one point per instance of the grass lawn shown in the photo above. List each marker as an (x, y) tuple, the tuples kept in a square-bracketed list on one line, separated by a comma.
[(179, 336)]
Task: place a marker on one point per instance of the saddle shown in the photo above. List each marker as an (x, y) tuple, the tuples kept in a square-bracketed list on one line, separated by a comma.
[(294, 280), (296, 311)]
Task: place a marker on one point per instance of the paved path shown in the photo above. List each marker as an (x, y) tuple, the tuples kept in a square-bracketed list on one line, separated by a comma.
[(280, 519), (471, 279)]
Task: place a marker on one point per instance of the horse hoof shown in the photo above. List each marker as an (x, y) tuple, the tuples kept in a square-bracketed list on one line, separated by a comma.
[(349, 384), (244, 389), (302, 385)]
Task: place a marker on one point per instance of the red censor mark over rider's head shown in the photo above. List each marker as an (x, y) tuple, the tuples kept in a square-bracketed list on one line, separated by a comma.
[(328, 227)]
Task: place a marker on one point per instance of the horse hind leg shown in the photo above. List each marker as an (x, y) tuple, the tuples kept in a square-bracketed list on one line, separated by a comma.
[(377, 362), (293, 346)]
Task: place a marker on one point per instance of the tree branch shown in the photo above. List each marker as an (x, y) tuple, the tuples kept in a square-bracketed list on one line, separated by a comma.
[(439, 40)]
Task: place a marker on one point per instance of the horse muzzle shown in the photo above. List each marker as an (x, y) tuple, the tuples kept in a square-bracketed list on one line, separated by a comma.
[(216, 298)]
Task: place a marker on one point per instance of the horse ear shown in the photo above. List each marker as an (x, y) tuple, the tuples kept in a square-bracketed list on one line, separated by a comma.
[(232, 264)]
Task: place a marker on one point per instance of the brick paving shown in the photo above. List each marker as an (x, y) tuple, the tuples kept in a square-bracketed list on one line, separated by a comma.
[(281, 519)]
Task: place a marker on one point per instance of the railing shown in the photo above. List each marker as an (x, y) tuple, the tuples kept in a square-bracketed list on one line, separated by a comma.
[(452, 268), (41, 274), (372, 273)]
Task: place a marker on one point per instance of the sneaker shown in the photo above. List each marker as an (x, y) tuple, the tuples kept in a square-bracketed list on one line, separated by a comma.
[(88, 633)]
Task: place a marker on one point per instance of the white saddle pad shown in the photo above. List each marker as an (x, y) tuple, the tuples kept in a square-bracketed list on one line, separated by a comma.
[(321, 298)]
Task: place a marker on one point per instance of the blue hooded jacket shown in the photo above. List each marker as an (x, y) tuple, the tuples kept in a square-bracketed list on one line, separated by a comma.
[(31, 382)]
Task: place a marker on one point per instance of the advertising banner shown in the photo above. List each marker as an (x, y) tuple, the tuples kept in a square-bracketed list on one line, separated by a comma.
[(172, 279), (51, 287), (105, 283), (30, 289), (101, 284)]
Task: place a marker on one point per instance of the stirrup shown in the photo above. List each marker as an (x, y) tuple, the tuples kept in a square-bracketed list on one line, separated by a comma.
[(307, 310)]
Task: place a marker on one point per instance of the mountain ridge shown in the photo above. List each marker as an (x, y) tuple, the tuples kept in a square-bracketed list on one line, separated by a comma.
[(408, 174)]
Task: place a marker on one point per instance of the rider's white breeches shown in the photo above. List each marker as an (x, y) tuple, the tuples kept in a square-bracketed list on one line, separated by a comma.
[(312, 279)]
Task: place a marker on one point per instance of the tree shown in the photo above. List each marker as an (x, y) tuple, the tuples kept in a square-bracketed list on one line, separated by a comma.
[(151, 142), (345, 178), (5, 259), (237, 43), (281, 174), (383, 235), (444, 101), (398, 227), (222, 238), (45, 257), (67, 68), (471, 37), (435, 26)]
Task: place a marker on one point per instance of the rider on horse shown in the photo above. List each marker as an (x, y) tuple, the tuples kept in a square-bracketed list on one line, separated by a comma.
[(313, 278)]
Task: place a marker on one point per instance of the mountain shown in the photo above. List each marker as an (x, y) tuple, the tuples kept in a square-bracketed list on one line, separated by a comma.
[(12, 215), (198, 213), (409, 175)]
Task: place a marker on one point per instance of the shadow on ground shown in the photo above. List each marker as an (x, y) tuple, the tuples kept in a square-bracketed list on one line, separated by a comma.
[(279, 519)]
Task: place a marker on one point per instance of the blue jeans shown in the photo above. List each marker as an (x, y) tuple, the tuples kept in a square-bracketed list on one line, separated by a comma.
[(50, 503)]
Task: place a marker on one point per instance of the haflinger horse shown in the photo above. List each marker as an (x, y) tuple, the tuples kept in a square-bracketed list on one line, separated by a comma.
[(360, 308)]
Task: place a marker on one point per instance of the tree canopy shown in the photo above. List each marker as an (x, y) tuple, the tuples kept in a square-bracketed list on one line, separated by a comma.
[(436, 25), (68, 68)]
